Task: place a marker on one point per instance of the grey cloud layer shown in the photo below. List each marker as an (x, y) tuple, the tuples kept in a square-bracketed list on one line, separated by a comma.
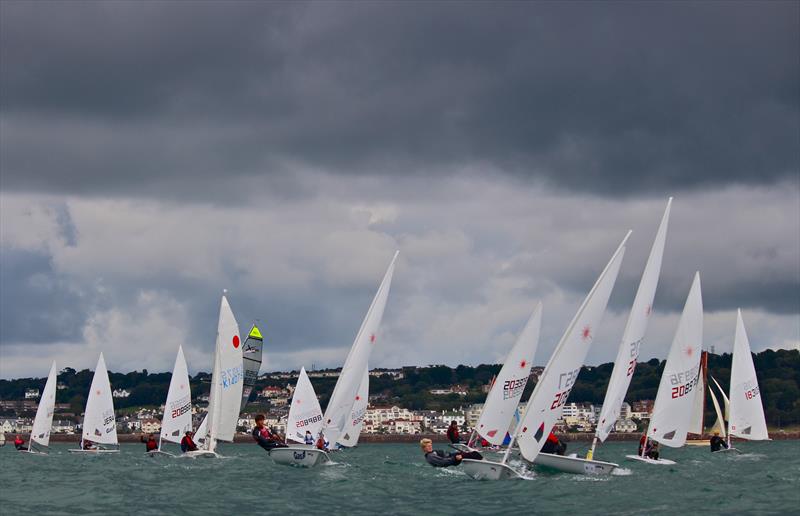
[(182, 99)]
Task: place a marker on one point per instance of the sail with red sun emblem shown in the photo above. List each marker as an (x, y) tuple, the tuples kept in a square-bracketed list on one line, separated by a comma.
[(558, 378), (99, 424), (344, 393), (506, 391), (178, 407), (633, 335), (352, 430), (227, 379), (672, 411), (304, 413)]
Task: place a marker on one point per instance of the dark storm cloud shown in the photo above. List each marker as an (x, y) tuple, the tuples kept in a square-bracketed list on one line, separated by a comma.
[(612, 98), (37, 304)]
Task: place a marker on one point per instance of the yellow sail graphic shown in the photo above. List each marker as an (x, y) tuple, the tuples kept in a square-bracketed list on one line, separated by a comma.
[(255, 334)]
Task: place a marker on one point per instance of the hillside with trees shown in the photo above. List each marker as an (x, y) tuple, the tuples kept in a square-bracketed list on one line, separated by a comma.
[(778, 377)]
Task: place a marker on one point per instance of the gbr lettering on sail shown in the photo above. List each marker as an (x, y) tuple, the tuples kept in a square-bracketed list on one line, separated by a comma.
[(684, 382)]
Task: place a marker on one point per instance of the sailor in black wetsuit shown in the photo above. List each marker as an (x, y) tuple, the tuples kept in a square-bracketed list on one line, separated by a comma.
[(718, 443), (440, 459), (264, 437)]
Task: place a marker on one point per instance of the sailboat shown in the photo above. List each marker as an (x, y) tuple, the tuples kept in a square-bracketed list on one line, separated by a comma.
[(305, 415), (746, 410), (227, 380), (632, 337), (177, 418), (551, 393), (344, 394), (99, 424), (352, 430), (502, 401), (252, 350), (671, 417), (40, 434)]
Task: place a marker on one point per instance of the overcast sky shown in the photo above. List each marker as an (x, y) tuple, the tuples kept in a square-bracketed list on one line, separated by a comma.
[(155, 153)]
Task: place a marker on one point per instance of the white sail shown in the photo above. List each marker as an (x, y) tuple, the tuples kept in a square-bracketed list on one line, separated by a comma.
[(344, 392), (305, 413), (225, 398), (177, 418), (747, 413), (719, 426), (698, 407), (725, 399), (99, 425), (201, 434), (42, 424), (251, 355), (352, 430), (504, 396), (558, 378), (677, 390), (635, 329)]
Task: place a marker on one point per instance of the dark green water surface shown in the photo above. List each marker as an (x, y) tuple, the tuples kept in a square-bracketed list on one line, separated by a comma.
[(394, 479)]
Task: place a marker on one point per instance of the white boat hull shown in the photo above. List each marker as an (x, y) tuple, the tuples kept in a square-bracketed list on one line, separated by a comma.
[(731, 449), (647, 460), (33, 452), (205, 454), (156, 453), (299, 456), (93, 452), (488, 470), (573, 464)]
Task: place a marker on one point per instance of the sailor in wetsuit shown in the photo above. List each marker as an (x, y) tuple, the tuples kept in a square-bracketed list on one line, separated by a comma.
[(264, 437), (718, 443), (187, 443), (309, 439), (440, 459), (19, 444), (150, 444), (554, 445), (452, 432)]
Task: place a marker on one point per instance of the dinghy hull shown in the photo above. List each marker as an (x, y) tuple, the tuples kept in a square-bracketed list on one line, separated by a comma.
[(205, 454), (93, 452), (577, 465), (488, 470), (158, 453), (646, 460), (299, 456)]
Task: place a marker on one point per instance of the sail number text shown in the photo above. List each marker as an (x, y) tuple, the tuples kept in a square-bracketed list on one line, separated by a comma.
[(309, 421), (565, 383), (231, 376), (634, 350), (684, 382)]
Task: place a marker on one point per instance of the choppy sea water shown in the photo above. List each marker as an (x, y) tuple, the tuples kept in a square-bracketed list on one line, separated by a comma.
[(394, 479)]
